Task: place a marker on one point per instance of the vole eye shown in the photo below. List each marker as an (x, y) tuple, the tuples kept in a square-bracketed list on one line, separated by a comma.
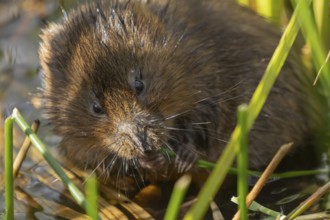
[(139, 86), (97, 109)]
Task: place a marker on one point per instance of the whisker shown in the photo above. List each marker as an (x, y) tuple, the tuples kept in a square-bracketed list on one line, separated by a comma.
[(168, 157), (137, 168), (177, 129), (175, 115), (201, 123), (95, 169)]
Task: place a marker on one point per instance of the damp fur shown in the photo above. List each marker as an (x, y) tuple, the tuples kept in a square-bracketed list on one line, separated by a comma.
[(196, 60)]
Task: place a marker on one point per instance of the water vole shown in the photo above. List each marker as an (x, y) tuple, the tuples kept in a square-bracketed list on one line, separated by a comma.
[(126, 79)]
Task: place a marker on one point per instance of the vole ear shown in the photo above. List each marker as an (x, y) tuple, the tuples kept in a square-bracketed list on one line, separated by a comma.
[(65, 49), (53, 58)]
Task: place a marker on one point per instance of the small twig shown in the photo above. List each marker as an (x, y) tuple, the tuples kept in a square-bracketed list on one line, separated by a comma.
[(265, 175), (24, 149), (309, 201), (269, 170)]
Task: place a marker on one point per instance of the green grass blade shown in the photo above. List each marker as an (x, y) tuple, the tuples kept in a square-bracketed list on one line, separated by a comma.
[(273, 69), (322, 19), (313, 39), (288, 174), (259, 208), (215, 179), (243, 2), (217, 176), (270, 9), (75, 192), (9, 176), (179, 191), (91, 196), (298, 173), (243, 162)]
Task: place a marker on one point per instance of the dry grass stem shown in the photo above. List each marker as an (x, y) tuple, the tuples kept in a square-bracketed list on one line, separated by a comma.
[(216, 213), (309, 201), (320, 70), (265, 175), (314, 216), (24, 149)]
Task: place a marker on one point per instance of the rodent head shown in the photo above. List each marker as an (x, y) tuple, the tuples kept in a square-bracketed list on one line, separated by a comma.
[(114, 79)]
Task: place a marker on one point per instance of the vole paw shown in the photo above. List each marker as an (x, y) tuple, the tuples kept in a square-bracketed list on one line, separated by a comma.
[(155, 161), (185, 160)]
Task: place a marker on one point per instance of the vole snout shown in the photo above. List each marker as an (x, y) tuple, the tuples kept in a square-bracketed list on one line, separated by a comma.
[(136, 133)]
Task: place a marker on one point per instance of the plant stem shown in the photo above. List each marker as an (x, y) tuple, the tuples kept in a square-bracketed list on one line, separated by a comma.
[(9, 176), (313, 38), (75, 192), (24, 149), (322, 19), (91, 196), (179, 191), (280, 154), (243, 163), (309, 201)]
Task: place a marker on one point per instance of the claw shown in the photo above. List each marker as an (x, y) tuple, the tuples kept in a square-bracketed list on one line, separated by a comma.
[(153, 161), (185, 159)]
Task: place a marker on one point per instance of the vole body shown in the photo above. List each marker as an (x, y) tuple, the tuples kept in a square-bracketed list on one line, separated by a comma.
[(126, 79)]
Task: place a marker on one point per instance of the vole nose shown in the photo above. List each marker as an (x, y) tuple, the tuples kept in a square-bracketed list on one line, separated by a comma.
[(142, 134), (137, 133)]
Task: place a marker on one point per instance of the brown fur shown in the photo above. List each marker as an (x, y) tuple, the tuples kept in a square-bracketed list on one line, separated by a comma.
[(198, 60)]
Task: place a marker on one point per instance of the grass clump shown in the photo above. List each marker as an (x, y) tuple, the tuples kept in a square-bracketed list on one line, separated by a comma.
[(217, 176), (9, 184)]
